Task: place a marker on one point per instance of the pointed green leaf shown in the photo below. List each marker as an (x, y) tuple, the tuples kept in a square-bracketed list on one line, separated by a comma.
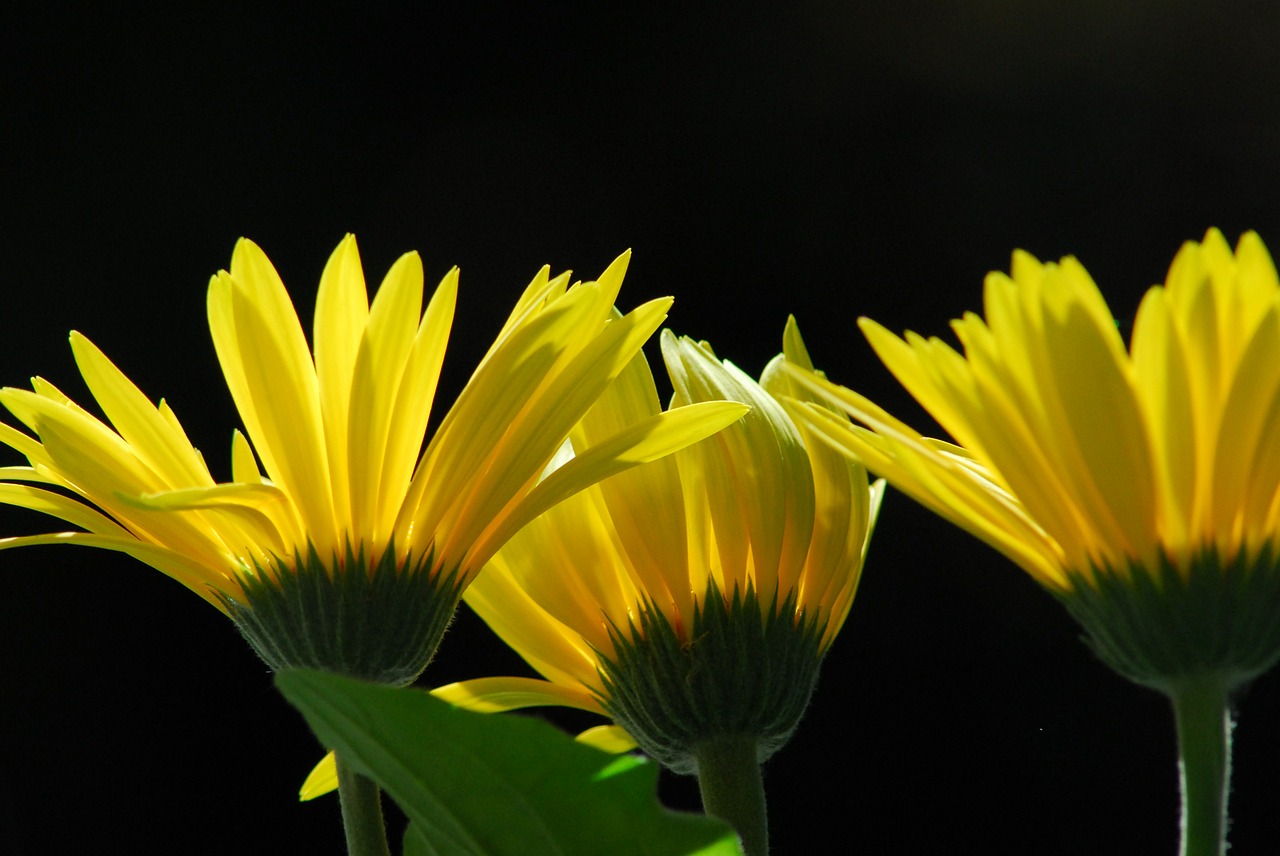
[(493, 785)]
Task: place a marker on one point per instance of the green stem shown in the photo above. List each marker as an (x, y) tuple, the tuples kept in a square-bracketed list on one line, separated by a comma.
[(1203, 715), (361, 813), (732, 788)]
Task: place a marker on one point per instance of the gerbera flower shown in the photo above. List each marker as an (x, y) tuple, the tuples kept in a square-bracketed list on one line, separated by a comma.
[(1140, 486), (691, 600), (348, 549)]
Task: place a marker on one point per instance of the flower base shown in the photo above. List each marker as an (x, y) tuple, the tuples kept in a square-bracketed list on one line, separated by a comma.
[(1157, 629), (743, 671), (380, 623)]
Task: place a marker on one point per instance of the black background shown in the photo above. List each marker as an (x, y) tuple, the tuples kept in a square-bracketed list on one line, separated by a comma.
[(824, 159)]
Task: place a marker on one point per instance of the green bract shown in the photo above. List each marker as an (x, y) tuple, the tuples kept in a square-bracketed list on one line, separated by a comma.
[(748, 671), (1158, 627), (380, 623)]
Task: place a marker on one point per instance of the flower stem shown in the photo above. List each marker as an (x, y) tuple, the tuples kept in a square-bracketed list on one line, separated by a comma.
[(1202, 711), (361, 813), (733, 790)]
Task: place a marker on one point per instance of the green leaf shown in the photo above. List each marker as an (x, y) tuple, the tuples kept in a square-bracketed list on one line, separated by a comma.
[(415, 843), (489, 785)]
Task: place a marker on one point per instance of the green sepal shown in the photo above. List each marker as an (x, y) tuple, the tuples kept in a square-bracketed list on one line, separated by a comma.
[(747, 670), (1158, 628), (381, 623)]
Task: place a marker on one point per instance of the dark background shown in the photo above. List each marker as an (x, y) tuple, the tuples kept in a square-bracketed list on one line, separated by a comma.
[(823, 159)]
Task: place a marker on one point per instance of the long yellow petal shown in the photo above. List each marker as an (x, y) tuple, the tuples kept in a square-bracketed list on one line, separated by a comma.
[(645, 441), (556, 650), (384, 349), (166, 452), (608, 738), (56, 505), (601, 584), (546, 418), (485, 410), (940, 482), (413, 402), (193, 574), (644, 499), (763, 455), (497, 695), (268, 367), (260, 512), (342, 311)]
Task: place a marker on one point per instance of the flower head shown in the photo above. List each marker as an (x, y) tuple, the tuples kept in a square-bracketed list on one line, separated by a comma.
[(695, 596), (1140, 485), (346, 494)]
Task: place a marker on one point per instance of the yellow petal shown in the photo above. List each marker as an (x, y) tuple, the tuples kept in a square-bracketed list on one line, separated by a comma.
[(608, 738), (28, 447), (943, 482), (1088, 373), (259, 514), (268, 367), (1163, 382), (484, 411), (322, 779), (497, 695), (384, 349), (61, 507), (642, 500), (763, 455), (595, 588), (165, 451), (243, 466), (1247, 413), (645, 441), (342, 311), (88, 440), (542, 291), (413, 402), (25, 474), (559, 651), (547, 417), (194, 574)]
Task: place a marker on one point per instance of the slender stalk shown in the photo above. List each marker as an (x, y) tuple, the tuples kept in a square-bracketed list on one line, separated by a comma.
[(733, 790), (1203, 715), (361, 813)]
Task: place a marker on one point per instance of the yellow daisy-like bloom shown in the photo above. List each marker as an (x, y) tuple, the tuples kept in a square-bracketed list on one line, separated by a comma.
[(345, 482), (1141, 486), (1074, 453), (1077, 458), (755, 537)]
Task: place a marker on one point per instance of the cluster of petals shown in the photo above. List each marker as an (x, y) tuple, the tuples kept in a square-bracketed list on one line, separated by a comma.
[(760, 506), (1075, 455), (334, 455)]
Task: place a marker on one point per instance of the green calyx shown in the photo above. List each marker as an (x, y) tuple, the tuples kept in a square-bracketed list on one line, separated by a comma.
[(747, 671), (381, 623), (1162, 628)]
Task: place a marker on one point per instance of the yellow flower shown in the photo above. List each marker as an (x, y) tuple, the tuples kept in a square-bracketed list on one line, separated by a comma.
[(757, 526), (1141, 486), (1096, 468), (345, 482)]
